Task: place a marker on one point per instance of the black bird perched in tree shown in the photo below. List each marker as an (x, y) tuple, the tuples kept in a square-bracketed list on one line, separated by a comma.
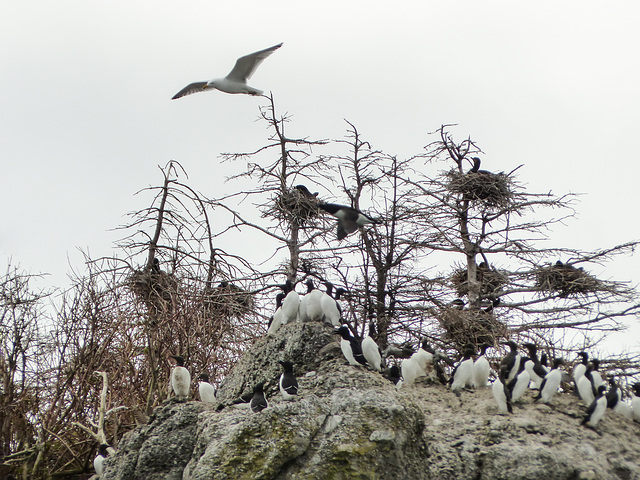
[(349, 219), (305, 192), (476, 166), (258, 400)]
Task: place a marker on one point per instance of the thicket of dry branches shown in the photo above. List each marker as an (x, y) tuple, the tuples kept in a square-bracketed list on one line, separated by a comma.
[(456, 258)]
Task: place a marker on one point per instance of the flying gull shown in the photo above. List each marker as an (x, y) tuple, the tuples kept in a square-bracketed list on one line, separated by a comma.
[(236, 81)]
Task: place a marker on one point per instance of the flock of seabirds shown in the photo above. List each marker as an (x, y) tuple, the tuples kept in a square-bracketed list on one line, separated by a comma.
[(516, 373)]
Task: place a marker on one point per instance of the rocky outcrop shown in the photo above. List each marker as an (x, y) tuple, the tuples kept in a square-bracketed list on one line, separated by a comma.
[(350, 423)]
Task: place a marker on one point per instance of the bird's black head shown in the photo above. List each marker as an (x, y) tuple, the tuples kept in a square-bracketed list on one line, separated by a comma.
[(512, 345), (636, 388), (286, 365), (179, 360), (102, 449), (259, 388), (343, 331), (596, 363), (204, 377), (601, 389), (584, 356)]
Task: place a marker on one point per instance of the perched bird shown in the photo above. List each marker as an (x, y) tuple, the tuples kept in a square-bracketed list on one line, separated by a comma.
[(596, 409), (206, 390), (350, 347), (520, 382), (551, 382), (290, 304), (581, 367), (236, 80), (305, 192), (180, 378), (393, 374), (533, 366), (511, 362), (258, 400), (595, 374), (585, 387), (313, 304), (98, 462), (635, 401), (481, 368), (276, 320), (502, 394), (462, 375), (543, 361), (330, 309), (370, 349), (476, 166), (615, 402), (288, 383), (410, 371), (424, 357), (349, 219), (302, 308)]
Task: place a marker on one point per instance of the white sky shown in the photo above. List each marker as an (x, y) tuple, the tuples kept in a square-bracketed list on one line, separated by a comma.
[(86, 114)]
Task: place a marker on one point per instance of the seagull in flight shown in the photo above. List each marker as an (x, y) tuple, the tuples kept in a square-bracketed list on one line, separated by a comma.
[(236, 81)]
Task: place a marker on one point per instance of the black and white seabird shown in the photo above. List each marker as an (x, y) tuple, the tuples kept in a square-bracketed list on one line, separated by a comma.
[(290, 303), (581, 367), (520, 382), (350, 347), (393, 374), (330, 309), (370, 349), (585, 387), (98, 462), (551, 382), (206, 390), (511, 361), (258, 400), (502, 394), (180, 378), (276, 320), (349, 219), (288, 383), (596, 409), (595, 374), (313, 304), (533, 366), (462, 375), (635, 401), (615, 402), (481, 368)]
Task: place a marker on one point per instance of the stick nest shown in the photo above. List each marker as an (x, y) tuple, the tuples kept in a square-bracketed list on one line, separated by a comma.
[(492, 189), (228, 300), (297, 204), (473, 326), (154, 288), (566, 280), (491, 281)]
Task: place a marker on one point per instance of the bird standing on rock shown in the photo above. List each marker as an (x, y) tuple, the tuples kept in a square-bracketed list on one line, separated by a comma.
[(258, 400), (481, 368), (551, 382), (206, 390), (98, 462), (370, 349), (180, 378), (288, 383), (462, 375), (350, 347)]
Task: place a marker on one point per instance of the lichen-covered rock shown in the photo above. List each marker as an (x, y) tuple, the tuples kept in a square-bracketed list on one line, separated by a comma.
[(350, 423)]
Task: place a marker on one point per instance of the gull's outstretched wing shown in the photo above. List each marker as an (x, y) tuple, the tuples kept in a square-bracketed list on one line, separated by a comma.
[(194, 87), (246, 66)]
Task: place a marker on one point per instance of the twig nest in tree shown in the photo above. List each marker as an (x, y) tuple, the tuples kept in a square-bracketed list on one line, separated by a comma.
[(566, 280), (154, 288), (492, 189), (228, 300), (298, 204), (471, 326), (491, 281)]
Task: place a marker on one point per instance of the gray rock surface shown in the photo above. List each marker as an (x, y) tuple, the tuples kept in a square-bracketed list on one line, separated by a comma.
[(350, 423)]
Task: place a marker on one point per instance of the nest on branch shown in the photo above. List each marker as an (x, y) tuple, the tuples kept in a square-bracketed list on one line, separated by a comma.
[(566, 280), (471, 326), (154, 288), (228, 300), (302, 205), (491, 281), (492, 189)]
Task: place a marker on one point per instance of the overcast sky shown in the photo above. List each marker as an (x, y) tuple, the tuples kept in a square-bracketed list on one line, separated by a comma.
[(86, 115)]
